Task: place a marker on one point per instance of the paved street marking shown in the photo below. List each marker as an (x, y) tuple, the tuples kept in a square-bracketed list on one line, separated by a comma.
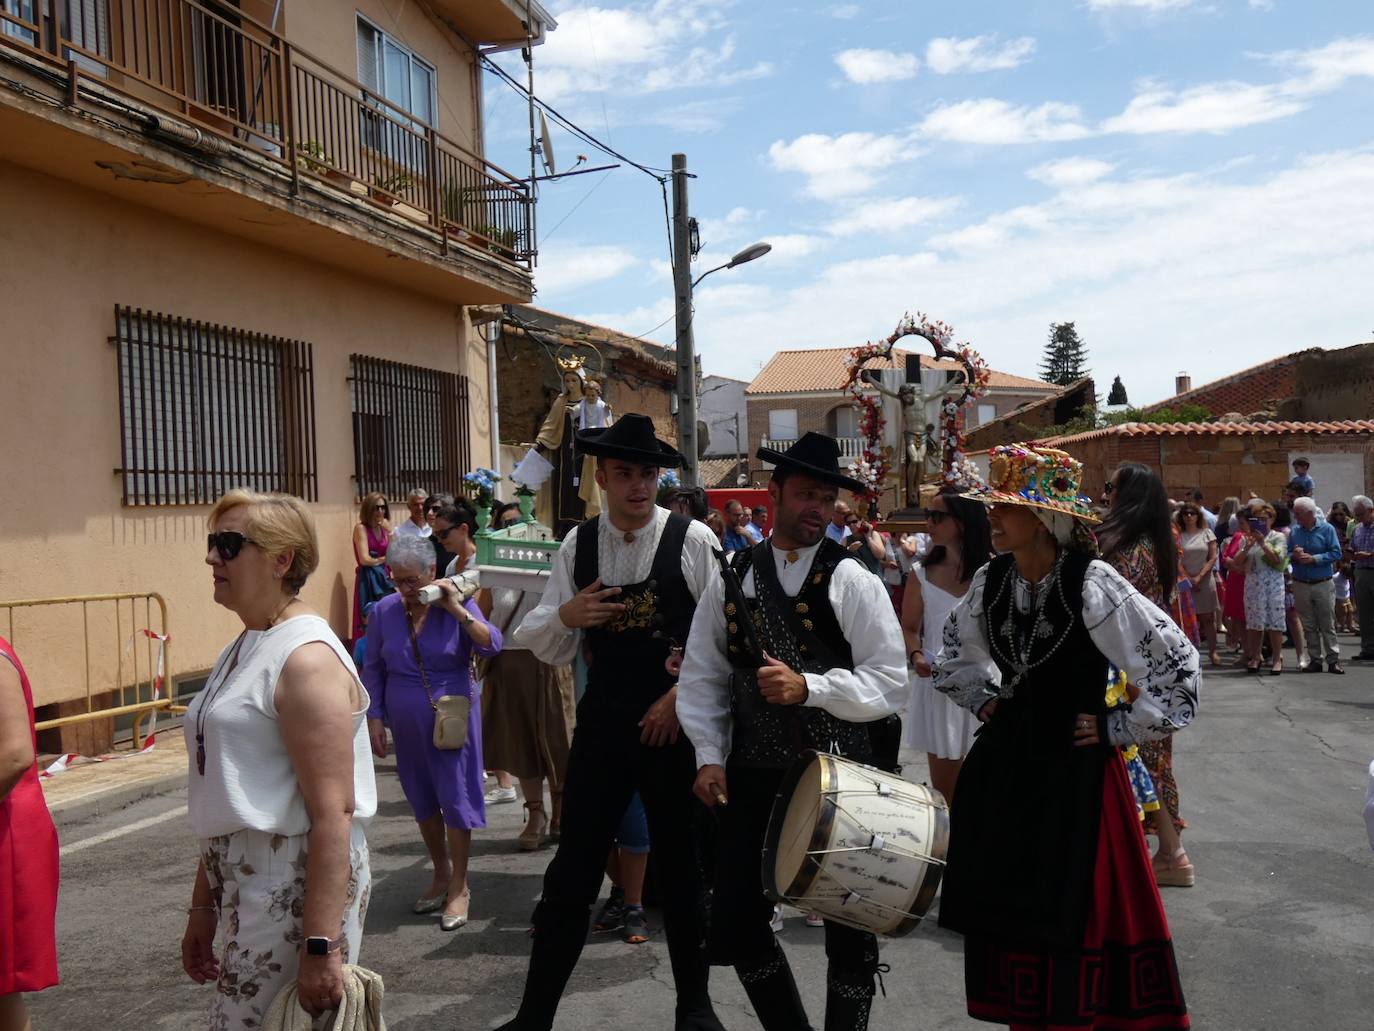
[(119, 832)]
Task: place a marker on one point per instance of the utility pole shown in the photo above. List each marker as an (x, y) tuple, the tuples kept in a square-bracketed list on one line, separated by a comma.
[(686, 346)]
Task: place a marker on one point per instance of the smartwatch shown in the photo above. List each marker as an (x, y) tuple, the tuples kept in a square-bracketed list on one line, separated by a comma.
[(320, 946)]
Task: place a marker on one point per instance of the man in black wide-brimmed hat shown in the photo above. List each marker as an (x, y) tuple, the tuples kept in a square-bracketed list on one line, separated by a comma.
[(814, 662), (623, 588)]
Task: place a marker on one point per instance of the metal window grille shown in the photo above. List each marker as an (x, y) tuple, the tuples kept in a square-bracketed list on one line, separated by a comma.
[(410, 427), (206, 408)]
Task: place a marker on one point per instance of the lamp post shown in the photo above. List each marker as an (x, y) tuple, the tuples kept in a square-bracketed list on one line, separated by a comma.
[(683, 338)]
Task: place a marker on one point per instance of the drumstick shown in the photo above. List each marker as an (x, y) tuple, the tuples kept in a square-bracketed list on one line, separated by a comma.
[(721, 800)]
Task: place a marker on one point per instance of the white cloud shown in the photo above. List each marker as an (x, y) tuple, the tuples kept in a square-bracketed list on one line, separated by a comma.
[(1215, 107), (1267, 262), (1070, 172), (869, 66), (946, 55), (1327, 68), (840, 166), (996, 121), (1140, 5), (649, 46), (564, 267), (891, 215), (1262, 5), (845, 11)]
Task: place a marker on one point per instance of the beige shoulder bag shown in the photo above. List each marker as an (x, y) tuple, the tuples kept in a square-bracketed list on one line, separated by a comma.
[(450, 711)]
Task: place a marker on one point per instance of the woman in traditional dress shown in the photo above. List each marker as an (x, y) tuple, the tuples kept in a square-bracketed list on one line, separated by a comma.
[(961, 546), (1138, 539), (371, 535), (1062, 921)]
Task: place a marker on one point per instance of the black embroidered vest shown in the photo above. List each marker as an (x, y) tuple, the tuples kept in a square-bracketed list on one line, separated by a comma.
[(626, 670), (767, 735)]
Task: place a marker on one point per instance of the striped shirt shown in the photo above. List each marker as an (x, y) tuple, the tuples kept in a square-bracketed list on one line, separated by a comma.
[(1362, 539)]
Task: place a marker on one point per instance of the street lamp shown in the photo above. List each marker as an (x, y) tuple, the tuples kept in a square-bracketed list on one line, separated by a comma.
[(754, 250)]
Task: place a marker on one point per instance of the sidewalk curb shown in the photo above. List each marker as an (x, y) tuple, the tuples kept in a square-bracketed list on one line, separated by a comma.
[(88, 807)]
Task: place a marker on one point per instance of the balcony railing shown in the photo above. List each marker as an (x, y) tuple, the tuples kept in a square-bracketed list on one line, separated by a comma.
[(851, 448), (240, 80)]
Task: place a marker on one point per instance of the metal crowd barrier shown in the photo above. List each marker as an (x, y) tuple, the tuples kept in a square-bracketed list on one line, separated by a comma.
[(132, 635)]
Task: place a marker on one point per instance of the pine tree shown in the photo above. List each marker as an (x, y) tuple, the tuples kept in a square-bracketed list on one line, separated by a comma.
[(1117, 395), (1066, 357)]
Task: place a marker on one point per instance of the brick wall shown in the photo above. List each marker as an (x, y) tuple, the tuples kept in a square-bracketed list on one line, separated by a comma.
[(1221, 465)]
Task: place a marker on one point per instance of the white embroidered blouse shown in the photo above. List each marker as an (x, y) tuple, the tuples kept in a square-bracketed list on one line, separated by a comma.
[(1125, 626)]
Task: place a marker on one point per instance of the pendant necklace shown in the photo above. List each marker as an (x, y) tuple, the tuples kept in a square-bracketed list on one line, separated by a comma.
[(211, 694)]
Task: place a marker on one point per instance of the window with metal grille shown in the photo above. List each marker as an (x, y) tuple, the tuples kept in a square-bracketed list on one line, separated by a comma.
[(205, 408), (410, 427)]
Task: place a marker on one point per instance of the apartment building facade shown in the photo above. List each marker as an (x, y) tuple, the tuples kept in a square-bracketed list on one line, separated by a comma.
[(244, 245)]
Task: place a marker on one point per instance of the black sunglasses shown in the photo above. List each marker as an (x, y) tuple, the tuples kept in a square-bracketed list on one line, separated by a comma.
[(228, 543)]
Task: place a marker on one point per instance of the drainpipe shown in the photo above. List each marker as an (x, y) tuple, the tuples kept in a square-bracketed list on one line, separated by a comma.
[(493, 329)]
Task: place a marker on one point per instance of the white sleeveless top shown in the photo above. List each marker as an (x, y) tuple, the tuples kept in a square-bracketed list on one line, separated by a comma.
[(249, 782)]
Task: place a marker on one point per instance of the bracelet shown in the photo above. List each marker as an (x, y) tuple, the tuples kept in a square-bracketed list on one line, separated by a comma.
[(198, 909)]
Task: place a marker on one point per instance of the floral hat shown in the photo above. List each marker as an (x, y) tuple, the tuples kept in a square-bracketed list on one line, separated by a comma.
[(1038, 477)]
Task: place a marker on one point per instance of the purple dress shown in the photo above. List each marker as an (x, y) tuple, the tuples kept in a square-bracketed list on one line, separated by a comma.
[(433, 780)]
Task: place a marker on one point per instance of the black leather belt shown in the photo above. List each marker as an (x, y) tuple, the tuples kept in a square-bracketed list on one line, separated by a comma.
[(1311, 582)]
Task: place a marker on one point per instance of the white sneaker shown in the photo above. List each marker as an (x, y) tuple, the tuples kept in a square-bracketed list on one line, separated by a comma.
[(814, 920), (776, 922), (499, 796)]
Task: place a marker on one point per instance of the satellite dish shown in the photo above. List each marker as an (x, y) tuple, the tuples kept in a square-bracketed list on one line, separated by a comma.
[(546, 145)]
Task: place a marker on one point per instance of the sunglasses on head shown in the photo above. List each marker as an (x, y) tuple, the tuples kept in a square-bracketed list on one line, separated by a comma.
[(227, 543)]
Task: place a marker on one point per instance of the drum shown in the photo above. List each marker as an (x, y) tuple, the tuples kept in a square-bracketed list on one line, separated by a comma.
[(858, 845)]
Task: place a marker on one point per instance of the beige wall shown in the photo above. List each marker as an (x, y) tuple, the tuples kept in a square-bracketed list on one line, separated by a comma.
[(328, 30), (71, 256)]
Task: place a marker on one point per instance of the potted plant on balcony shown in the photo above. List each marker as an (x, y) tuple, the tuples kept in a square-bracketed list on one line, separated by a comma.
[(312, 157), (385, 189)]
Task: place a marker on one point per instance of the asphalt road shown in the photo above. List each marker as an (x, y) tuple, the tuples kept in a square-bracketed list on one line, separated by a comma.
[(1278, 934)]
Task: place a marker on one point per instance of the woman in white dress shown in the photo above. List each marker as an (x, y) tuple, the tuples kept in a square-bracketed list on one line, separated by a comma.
[(960, 544)]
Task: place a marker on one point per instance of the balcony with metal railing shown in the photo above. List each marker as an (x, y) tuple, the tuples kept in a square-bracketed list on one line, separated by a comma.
[(851, 448), (221, 88)]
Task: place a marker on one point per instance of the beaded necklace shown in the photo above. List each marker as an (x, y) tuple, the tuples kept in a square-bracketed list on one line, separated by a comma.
[(1021, 648)]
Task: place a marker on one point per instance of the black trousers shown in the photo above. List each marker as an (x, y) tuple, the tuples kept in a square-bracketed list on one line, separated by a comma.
[(740, 914), (606, 765)]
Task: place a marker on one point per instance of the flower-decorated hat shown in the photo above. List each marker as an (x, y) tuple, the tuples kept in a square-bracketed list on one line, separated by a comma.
[(1038, 477)]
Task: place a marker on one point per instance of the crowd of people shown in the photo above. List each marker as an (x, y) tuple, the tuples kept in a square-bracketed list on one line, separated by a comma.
[(679, 661)]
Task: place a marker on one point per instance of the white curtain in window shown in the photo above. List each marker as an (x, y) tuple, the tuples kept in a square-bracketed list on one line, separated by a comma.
[(782, 424)]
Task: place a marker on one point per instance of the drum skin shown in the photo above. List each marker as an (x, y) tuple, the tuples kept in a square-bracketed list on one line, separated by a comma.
[(856, 844)]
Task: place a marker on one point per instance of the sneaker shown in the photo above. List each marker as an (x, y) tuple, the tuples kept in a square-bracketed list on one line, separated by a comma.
[(612, 914), (814, 920), (636, 926), (500, 796), (776, 922)]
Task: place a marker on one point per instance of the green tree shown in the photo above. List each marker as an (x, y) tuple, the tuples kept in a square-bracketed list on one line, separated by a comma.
[(1117, 395), (1066, 358)]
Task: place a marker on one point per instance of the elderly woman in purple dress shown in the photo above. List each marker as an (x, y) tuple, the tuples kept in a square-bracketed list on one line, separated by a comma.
[(443, 787)]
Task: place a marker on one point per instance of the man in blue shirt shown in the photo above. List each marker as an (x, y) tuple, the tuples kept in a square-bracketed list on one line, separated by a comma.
[(838, 527), (1300, 467), (1315, 549), (736, 539)]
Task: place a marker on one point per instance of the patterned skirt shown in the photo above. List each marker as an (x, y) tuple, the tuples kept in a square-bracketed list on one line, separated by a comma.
[(260, 880)]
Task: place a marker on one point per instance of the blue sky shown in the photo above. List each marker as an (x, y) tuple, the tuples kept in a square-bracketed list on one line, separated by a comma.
[(1191, 182)]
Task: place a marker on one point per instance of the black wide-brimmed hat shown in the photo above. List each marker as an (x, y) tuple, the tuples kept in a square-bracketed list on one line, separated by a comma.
[(631, 439), (815, 455)]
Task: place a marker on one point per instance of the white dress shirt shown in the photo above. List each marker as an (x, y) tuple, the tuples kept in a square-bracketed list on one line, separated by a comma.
[(619, 564), (409, 529), (874, 688)]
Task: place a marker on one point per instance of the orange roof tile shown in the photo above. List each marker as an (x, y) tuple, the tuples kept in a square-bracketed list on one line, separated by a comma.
[(823, 369), (1216, 429)]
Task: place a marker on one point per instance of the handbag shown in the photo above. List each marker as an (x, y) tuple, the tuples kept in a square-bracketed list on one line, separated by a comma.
[(450, 712)]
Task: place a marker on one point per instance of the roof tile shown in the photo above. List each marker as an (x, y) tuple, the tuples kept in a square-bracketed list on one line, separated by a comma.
[(823, 369), (1217, 429)]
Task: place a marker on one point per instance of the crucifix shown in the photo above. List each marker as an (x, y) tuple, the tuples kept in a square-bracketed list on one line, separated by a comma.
[(916, 428)]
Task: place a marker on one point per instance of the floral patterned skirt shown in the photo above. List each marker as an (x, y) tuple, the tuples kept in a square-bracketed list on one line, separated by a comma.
[(260, 878)]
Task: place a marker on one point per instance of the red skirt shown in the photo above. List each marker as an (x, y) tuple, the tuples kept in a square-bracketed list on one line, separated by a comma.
[(1124, 978)]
